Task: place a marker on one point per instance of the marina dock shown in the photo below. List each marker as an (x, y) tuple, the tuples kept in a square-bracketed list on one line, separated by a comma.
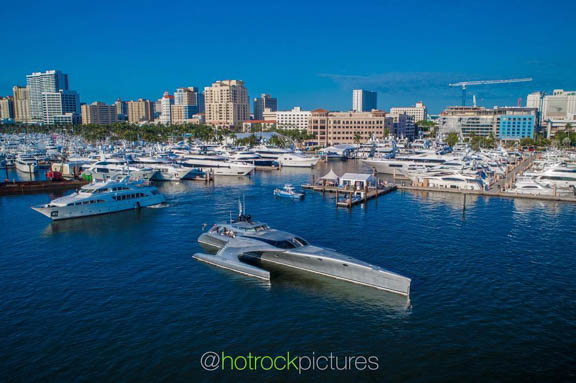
[(487, 193), (369, 193), (30, 187)]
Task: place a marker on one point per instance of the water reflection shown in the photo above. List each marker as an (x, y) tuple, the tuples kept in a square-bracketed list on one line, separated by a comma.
[(455, 201), (99, 224), (340, 292)]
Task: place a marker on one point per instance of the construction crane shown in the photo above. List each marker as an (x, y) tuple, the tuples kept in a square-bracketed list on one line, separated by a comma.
[(464, 84)]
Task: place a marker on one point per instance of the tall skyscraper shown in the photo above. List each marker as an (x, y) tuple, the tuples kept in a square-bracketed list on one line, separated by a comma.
[(61, 107), (264, 102), (364, 100), (227, 103), (21, 104), (51, 81)]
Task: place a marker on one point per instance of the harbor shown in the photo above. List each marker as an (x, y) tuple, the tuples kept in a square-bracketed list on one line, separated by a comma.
[(132, 273)]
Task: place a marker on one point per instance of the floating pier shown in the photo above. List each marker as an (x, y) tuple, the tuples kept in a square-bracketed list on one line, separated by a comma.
[(367, 194), (488, 193), (30, 187)]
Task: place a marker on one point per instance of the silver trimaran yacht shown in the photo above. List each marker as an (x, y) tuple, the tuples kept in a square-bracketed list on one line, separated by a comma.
[(244, 240)]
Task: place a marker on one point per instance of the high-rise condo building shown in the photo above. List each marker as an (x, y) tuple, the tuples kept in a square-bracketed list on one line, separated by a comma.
[(21, 104), (61, 107), (51, 81), (227, 103), (99, 113), (140, 111), (418, 111), (121, 110), (166, 112), (364, 100), (6, 108), (188, 102), (265, 101)]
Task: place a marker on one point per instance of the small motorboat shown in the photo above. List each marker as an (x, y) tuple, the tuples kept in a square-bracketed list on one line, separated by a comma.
[(288, 192)]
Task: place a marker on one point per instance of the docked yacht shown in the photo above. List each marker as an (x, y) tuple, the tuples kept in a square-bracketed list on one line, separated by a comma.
[(528, 185), (174, 172), (243, 242), (297, 160), (112, 167), (218, 165), (400, 163), (26, 164), (102, 198), (456, 181), (559, 175)]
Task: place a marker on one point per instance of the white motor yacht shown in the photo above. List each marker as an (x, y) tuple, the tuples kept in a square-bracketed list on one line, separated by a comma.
[(218, 165), (528, 185), (400, 164), (110, 168), (26, 164), (297, 160), (102, 198), (174, 172), (559, 175)]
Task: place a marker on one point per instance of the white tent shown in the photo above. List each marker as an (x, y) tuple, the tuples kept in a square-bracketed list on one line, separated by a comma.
[(330, 178)]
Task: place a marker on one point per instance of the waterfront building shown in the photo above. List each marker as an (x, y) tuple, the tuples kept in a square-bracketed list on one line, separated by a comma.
[(515, 127), (418, 111), (507, 123), (364, 100), (226, 103), (61, 107), (166, 103), (265, 101), (552, 126), (21, 103), (332, 128), (140, 111), (295, 119), (38, 83), (560, 105), (6, 108), (269, 115), (121, 110), (99, 113), (404, 126)]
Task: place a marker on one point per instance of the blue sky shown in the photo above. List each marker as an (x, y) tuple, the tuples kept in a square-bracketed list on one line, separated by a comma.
[(305, 53)]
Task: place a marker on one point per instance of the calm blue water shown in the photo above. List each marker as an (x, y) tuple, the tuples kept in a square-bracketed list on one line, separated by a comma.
[(119, 297)]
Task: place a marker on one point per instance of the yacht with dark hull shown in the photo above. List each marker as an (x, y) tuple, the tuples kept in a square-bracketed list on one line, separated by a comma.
[(243, 245)]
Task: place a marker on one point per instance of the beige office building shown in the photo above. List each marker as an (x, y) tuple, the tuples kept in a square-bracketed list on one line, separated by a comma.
[(21, 104), (140, 111), (227, 103), (332, 128), (99, 113), (418, 111)]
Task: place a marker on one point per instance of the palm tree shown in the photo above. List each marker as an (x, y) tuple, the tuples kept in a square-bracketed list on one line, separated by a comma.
[(357, 138)]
